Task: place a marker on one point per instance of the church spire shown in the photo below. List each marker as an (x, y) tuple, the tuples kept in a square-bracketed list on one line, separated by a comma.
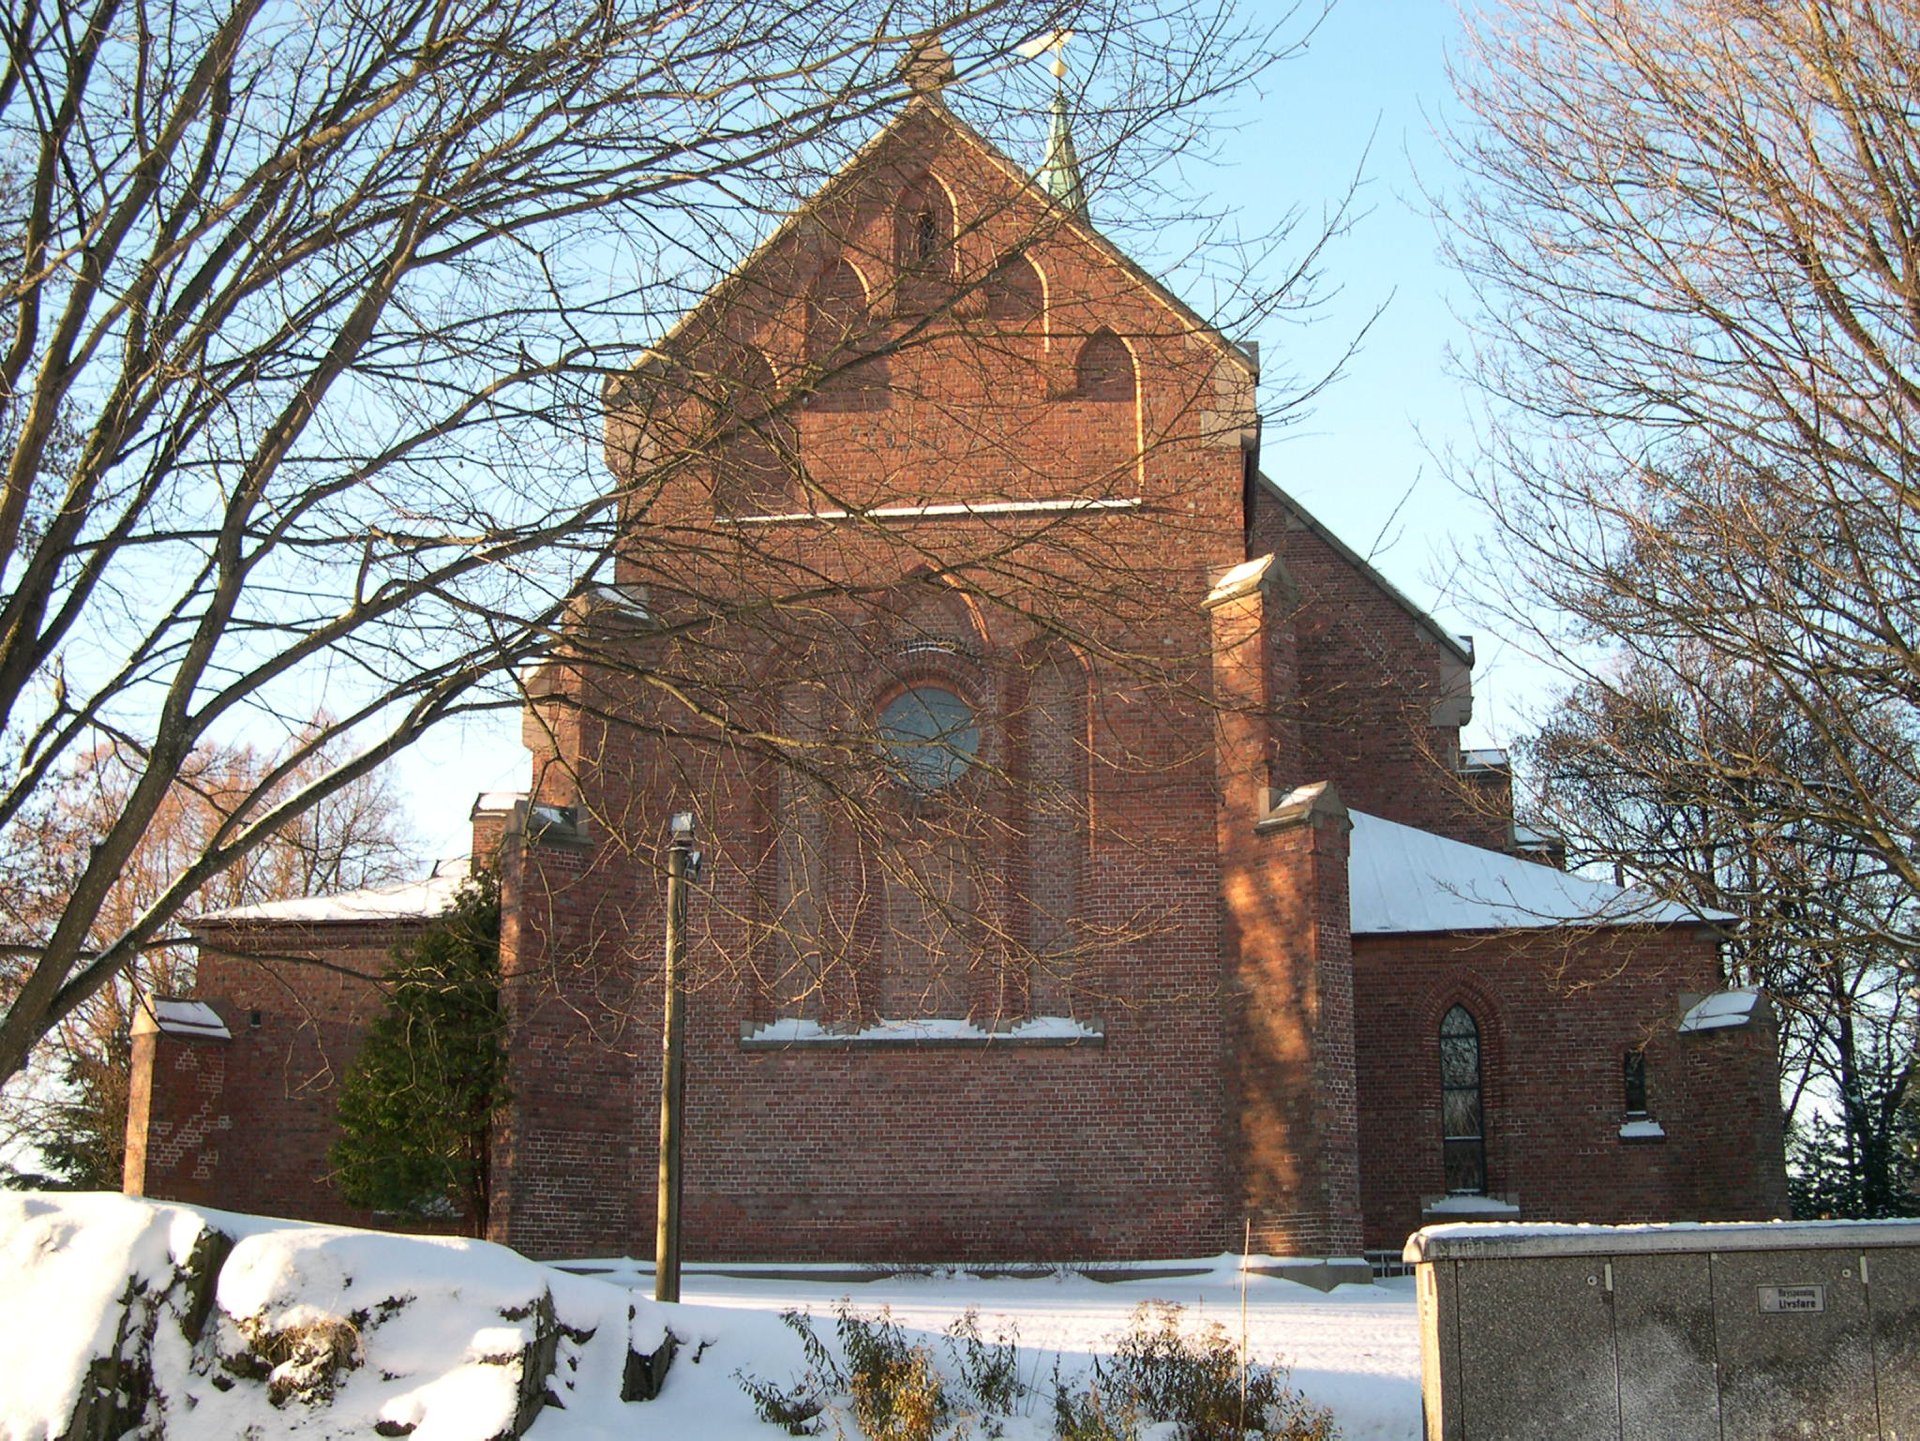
[(1060, 172)]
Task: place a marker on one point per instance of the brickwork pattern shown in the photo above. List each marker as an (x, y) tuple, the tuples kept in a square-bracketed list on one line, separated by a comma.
[(1358, 679), (1104, 857), (1556, 1016)]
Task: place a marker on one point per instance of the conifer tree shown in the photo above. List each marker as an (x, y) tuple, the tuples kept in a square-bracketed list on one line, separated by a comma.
[(417, 1106)]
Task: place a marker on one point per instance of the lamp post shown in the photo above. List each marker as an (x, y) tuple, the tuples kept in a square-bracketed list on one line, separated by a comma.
[(683, 865)]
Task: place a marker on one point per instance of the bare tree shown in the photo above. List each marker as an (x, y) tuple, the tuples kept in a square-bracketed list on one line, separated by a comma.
[(70, 1104), (306, 340), (1694, 233), (1671, 776)]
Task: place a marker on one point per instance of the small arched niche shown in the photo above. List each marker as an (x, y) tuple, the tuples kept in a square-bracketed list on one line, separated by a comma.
[(756, 449), (1015, 295), (1104, 370), (839, 337)]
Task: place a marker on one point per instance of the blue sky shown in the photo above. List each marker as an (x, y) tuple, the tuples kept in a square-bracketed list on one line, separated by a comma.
[(1364, 459)]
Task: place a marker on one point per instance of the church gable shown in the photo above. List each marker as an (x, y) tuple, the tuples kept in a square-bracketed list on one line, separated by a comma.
[(933, 328)]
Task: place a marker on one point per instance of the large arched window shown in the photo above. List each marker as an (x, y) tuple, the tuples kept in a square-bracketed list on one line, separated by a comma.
[(1462, 1117)]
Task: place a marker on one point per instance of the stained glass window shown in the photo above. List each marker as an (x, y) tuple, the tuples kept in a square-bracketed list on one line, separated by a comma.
[(1462, 1122)]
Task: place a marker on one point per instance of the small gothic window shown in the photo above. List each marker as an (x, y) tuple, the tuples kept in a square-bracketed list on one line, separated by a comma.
[(1463, 1130), (1634, 1082), (1104, 370), (923, 230), (926, 235)]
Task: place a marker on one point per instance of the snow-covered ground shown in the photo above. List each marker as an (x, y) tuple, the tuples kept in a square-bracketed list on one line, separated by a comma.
[(1356, 1349), (429, 1337)]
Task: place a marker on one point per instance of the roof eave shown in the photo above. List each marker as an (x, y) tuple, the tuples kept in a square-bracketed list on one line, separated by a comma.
[(1353, 557)]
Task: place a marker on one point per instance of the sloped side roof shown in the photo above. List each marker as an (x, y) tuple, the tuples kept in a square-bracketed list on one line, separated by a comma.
[(1459, 646), (1404, 881), (175, 1017), (406, 901)]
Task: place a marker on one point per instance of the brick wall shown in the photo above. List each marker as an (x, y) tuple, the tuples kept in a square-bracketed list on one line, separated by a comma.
[(1366, 677), (1072, 871), (245, 1123), (1556, 1015)]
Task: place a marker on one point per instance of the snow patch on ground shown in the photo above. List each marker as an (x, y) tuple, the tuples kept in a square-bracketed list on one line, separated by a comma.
[(436, 1327)]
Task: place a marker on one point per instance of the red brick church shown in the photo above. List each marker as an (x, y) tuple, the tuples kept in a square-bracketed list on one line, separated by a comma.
[(1092, 864)]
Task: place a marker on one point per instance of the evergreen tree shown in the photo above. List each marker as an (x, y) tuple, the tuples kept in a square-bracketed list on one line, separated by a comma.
[(417, 1106)]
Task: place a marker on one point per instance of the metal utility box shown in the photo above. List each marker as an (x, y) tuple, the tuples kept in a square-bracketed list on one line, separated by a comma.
[(1735, 1332)]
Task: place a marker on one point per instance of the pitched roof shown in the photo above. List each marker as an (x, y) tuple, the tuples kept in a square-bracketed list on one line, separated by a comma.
[(1407, 881), (931, 106), (406, 901)]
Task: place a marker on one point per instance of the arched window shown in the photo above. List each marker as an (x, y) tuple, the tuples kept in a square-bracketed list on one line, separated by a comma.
[(1462, 1119), (1014, 294), (923, 229), (926, 236), (1104, 370)]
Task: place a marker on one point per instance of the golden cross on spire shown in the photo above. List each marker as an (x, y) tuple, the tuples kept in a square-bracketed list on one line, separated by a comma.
[(1060, 172)]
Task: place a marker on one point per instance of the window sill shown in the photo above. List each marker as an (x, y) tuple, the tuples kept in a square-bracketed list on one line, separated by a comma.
[(935, 1032), (1469, 1208), (1644, 1128)]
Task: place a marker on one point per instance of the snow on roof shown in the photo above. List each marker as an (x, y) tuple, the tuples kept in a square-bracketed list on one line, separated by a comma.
[(181, 1018), (488, 801), (1403, 880), (408, 900), (1720, 1011)]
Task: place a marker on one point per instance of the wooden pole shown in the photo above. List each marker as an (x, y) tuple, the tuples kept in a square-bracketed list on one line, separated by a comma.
[(673, 1070)]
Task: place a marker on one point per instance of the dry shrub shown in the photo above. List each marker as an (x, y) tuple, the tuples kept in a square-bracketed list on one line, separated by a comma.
[(304, 1359), (1164, 1371)]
